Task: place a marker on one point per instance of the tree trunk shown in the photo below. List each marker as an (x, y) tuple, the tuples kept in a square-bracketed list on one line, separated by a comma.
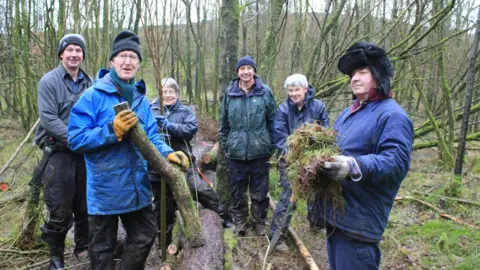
[(230, 15), (139, 15), (174, 177), (468, 100), (267, 68)]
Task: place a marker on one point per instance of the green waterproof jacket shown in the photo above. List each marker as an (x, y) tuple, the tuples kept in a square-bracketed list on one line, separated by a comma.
[(246, 124)]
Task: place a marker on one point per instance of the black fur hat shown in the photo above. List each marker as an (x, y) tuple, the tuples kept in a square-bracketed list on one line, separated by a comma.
[(364, 54)]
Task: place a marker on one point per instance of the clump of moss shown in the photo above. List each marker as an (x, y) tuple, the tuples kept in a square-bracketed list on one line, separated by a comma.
[(308, 148)]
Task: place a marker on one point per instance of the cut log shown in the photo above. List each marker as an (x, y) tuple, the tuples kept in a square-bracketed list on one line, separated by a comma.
[(178, 237), (209, 256), (174, 177), (208, 161)]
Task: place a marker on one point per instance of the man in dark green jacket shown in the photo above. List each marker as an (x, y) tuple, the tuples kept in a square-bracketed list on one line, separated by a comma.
[(246, 136)]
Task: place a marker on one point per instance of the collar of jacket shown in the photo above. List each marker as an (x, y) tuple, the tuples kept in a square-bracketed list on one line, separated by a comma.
[(81, 73), (104, 82), (309, 96), (234, 89), (373, 95), (103, 78)]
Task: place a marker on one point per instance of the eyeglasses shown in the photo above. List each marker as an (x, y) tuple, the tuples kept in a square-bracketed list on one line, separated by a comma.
[(124, 57), (169, 92)]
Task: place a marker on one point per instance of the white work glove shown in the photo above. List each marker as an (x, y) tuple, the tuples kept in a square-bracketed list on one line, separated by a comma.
[(341, 168)]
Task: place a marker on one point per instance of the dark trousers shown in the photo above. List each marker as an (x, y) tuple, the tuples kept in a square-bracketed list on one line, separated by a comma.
[(251, 175), (345, 253), (64, 187), (280, 217), (141, 231)]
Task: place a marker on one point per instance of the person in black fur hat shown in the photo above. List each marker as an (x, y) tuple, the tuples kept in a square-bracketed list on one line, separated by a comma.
[(375, 136)]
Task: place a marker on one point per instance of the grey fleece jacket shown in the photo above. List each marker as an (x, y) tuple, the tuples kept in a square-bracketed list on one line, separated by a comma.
[(55, 100)]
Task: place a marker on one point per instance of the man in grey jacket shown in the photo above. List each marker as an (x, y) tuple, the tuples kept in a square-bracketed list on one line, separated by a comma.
[(64, 176)]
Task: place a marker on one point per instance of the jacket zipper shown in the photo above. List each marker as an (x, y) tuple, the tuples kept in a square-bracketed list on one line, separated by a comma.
[(247, 127)]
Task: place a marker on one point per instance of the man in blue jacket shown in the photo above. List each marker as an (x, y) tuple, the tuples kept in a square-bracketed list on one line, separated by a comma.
[(300, 107), (375, 136), (64, 175), (246, 135), (117, 178)]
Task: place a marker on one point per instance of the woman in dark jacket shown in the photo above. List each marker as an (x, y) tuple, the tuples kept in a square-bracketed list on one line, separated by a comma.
[(299, 108), (179, 125)]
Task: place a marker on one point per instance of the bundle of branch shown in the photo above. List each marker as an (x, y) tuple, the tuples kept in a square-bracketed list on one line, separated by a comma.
[(308, 148)]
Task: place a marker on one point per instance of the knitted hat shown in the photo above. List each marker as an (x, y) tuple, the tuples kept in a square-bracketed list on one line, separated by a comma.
[(364, 54), (71, 39), (246, 60), (126, 40)]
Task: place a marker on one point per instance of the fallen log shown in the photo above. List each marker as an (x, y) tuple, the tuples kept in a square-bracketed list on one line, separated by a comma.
[(5, 166), (298, 241), (464, 201), (427, 127), (439, 211), (434, 143), (174, 177), (209, 256), (18, 196)]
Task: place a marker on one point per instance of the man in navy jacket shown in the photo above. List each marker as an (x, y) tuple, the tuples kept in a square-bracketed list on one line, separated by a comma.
[(375, 136), (300, 107)]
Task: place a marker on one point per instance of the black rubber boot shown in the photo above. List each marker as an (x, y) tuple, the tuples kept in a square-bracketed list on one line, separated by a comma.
[(56, 243), (225, 215)]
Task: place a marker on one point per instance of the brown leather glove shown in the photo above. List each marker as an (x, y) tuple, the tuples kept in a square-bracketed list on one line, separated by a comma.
[(123, 122), (179, 158)]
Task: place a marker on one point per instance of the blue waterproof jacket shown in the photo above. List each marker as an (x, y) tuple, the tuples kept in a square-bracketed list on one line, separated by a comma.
[(379, 136), (246, 121), (117, 180), (289, 118)]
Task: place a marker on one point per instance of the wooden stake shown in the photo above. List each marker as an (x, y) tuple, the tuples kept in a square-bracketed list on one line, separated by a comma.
[(298, 241)]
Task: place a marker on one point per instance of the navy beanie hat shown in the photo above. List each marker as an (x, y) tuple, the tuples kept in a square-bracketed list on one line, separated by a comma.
[(71, 39), (364, 54), (126, 40), (246, 60)]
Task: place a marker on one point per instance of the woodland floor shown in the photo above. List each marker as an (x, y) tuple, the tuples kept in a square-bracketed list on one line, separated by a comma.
[(416, 236)]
